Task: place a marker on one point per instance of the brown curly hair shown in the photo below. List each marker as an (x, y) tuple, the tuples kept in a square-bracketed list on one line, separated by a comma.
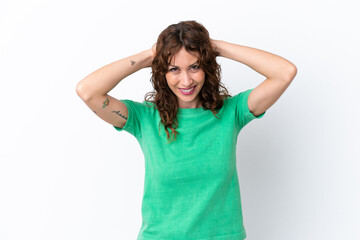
[(194, 37)]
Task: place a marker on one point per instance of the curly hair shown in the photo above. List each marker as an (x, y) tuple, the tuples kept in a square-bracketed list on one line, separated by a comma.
[(194, 37)]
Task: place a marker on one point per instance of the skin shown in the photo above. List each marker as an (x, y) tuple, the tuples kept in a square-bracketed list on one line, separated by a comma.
[(278, 71), (184, 72), (106, 103)]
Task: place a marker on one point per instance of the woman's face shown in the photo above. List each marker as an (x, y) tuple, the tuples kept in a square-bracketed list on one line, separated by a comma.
[(184, 73)]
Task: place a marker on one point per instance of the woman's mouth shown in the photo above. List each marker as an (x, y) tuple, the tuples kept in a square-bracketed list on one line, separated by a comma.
[(187, 91)]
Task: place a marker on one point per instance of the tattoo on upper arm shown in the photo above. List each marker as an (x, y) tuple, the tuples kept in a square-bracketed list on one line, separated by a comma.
[(132, 62), (106, 103), (118, 113)]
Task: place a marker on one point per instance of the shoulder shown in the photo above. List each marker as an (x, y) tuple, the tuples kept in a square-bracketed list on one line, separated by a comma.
[(137, 106), (230, 101), (149, 105), (240, 97), (238, 101)]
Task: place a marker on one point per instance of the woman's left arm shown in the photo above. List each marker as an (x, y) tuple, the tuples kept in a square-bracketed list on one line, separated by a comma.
[(278, 71)]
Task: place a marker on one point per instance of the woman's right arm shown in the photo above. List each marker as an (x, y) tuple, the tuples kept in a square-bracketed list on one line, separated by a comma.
[(94, 88)]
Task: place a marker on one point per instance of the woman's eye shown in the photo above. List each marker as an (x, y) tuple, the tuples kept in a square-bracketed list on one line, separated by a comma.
[(172, 69), (196, 67)]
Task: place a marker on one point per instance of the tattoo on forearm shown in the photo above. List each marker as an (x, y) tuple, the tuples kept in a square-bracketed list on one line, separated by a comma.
[(118, 113), (106, 103), (132, 62)]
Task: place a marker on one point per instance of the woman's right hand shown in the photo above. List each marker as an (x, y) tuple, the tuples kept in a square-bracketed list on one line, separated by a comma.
[(152, 53), (153, 49)]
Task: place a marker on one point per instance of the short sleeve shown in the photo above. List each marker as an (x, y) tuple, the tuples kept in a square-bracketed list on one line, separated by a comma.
[(243, 114), (132, 124)]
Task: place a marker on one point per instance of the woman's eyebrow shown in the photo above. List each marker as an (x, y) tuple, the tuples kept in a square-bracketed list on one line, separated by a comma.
[(189, 66)]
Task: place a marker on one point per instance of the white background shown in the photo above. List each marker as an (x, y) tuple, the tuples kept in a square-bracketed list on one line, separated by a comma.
[(67, 174)]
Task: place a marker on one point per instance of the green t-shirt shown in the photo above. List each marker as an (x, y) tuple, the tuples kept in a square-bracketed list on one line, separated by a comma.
[(191, 188)]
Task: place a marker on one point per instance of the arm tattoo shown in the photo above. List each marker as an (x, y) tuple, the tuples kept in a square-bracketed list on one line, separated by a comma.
[(118, 113), (94, 111), (132, 62), (106, 103)]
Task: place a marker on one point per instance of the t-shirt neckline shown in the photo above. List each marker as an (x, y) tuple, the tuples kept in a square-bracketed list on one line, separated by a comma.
[(190, 111), (187, 111)]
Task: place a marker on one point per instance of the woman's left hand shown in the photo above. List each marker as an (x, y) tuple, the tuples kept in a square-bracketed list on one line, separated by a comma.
[(214, 45)]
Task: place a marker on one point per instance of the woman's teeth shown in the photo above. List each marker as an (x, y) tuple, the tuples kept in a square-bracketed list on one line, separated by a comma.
[(189, 90)]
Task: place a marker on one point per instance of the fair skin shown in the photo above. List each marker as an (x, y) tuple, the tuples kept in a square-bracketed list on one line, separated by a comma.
[(184, 73), (94, 88), (278, 71)]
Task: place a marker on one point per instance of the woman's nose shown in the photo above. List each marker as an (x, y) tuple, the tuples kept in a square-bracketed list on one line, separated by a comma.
[(185, 78)]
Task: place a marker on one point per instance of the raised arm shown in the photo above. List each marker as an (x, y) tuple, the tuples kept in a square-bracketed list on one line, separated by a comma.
[(103, 80), (94, 88), (278, 71)]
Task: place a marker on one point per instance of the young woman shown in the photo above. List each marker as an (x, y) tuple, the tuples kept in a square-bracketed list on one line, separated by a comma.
[(188, 128)]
